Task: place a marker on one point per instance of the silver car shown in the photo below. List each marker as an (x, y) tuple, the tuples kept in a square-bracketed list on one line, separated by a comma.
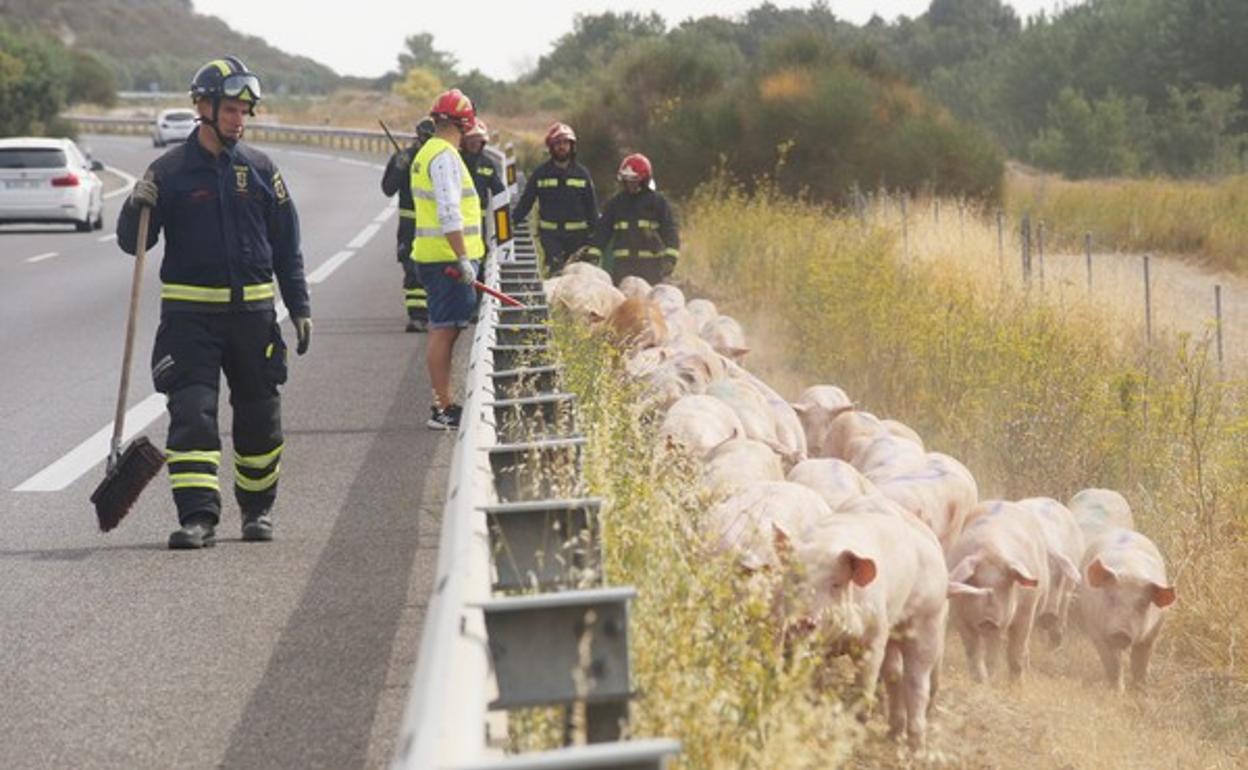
[(49, 180), (172, 126)]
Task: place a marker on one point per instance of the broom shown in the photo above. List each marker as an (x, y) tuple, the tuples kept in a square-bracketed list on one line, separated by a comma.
[(127, 472)]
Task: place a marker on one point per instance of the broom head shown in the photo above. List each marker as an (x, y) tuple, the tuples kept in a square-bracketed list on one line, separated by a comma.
[(125, 480)]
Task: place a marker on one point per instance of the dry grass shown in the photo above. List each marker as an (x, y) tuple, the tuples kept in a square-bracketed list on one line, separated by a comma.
[(1193, 218)]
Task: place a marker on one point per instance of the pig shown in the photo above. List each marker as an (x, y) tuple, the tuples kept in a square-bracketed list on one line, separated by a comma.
[(901, 430), (747, 523), (736, 463), (842, 429), (836, 481), (998, 578), (751, 407), (882, 455), (588, 270), (1064, 540), (638, 323), (1122, 601), (702, 310), (635, 287), (726, 336), (584, 297), (816, 408), (876, 578), (669, 297), (940, 492), (1098, 510), (788, 427), (700, 423)]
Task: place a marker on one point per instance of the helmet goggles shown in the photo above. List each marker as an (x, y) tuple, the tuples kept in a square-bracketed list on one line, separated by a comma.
[(243, 86)]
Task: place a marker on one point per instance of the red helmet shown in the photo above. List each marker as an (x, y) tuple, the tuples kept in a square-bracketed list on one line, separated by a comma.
[(559, 131), (454, 106), (478, 129), (635, 168)]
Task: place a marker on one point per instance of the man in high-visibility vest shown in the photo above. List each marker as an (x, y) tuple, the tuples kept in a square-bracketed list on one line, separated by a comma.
[(448, 235), (397, 179)]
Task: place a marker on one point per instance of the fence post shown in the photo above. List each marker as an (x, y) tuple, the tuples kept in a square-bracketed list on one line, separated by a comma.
[(1217, 310), (1040, 250), (1025, 244), (1087, 250), (1148, 304)]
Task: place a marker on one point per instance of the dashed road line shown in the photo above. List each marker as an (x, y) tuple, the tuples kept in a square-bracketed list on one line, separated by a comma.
[(364, 236), (41, 257)]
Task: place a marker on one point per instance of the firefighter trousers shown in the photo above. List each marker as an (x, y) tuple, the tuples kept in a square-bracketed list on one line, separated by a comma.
[(558, 246), (415, 298), (652, 269), (191, 352)]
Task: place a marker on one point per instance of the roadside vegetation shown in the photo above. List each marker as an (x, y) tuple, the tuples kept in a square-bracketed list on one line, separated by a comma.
[(1201, 220)]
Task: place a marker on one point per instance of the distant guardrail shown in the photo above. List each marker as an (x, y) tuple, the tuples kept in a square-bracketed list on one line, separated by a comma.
[(356, 139)]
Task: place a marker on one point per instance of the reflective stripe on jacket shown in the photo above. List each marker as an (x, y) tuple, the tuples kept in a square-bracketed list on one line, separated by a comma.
[(638, 224), (564, 197), (430, 243)]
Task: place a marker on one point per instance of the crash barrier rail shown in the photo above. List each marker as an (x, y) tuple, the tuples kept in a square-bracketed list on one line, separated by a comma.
[(356, 139), (521, 614)]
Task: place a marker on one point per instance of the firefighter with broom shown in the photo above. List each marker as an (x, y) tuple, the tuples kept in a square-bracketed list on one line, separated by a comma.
[(230, 229)]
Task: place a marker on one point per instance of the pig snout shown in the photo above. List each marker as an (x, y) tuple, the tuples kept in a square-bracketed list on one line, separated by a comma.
[(1119, 640)]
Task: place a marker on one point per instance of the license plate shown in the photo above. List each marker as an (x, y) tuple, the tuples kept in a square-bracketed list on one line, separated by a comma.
[(16, 184)]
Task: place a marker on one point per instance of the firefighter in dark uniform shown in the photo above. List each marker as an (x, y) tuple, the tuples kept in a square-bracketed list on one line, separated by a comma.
[(395, 180), (230, 228), (564, 191), (485, 175), (637, 231)]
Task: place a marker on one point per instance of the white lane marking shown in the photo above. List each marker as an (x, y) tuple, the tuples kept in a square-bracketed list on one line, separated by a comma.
[(84, 457), (385, 214), (107, 238), (364, 236), (328, 267), (362, 163), (125, 188), (41, 257)]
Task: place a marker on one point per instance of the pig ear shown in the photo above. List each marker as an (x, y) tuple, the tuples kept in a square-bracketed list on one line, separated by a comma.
[(962, 589), (963, 570), (1067, 567), (799, 408), (1099, 575), (1023, 577), (862, 568), (782, 544), (1164, 596)]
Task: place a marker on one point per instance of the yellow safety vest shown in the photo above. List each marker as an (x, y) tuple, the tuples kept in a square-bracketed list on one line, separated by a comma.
[(429, 244)]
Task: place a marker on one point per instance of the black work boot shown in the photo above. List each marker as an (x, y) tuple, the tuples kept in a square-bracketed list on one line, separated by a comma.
[(257, 526), (196, 532)]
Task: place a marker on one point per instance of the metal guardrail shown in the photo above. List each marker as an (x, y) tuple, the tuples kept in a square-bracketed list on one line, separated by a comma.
[(356, 139), (516, 521)]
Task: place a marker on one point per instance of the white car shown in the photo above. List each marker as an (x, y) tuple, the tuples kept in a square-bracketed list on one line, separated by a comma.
[(172, 126), (49, 180)]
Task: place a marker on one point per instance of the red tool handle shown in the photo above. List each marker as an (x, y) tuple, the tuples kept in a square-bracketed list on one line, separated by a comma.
[(506, 299)]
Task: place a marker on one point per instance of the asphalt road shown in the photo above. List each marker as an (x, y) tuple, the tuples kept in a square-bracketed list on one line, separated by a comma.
[(117, 653)]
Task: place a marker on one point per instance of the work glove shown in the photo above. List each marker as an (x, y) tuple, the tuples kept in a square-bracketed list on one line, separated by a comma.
[(467, 273), (144, 194), (303, 333)]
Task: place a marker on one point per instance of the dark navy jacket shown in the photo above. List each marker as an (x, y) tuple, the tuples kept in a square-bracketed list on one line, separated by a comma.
[(397, 178), (565, 198), (230, 228), (485, 177)]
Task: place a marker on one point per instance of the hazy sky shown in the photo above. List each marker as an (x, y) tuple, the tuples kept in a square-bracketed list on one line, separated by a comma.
[(502, 39)]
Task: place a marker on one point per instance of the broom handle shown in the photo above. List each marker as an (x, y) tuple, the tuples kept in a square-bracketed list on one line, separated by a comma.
[(140, 255)]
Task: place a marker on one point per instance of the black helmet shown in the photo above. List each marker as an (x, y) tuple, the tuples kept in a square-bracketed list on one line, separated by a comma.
[(424, 129), (226, 78)]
